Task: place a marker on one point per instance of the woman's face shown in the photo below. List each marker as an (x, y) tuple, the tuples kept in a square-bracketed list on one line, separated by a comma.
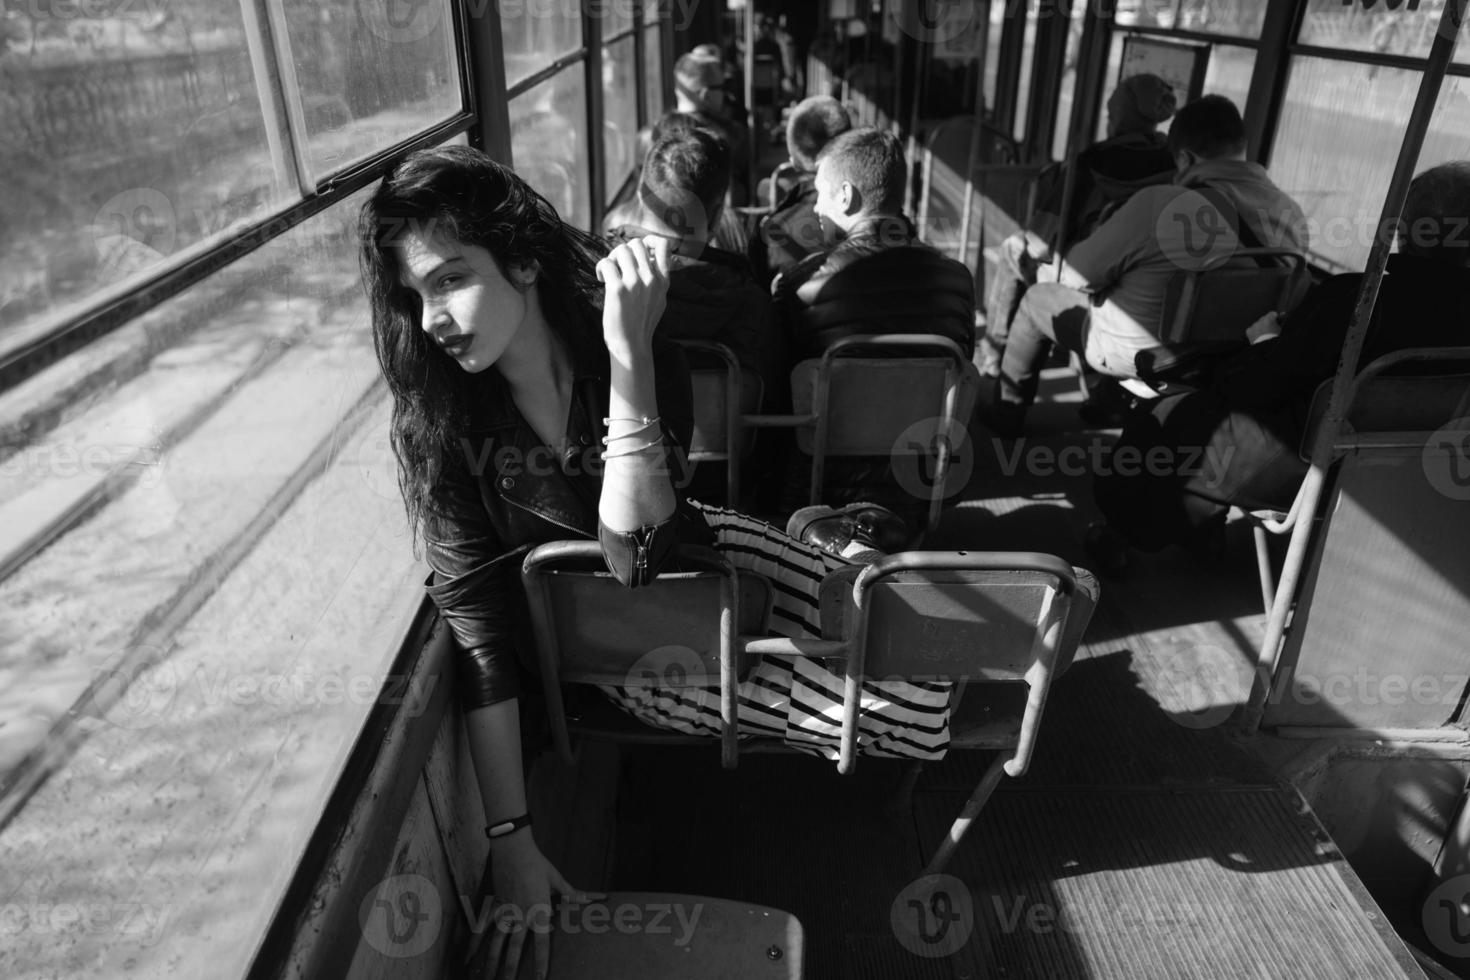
[(471, 311)]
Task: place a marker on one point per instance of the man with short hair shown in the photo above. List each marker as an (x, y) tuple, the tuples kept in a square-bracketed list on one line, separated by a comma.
[(713, 294), (792, 232), (879, 278), (1112, 285)]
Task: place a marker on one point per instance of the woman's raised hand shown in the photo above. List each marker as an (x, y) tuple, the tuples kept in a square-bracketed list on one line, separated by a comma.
[(636, 275)]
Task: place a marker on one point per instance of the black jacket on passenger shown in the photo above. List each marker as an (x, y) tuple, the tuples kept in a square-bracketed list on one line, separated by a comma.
[(880, 279), (1108, 172), (1245, 433), (789, 233), (506, 492)]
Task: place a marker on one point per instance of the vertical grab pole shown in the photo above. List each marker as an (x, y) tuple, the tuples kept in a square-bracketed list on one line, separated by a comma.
[(754, 142), (975, 134), (1268, 664)]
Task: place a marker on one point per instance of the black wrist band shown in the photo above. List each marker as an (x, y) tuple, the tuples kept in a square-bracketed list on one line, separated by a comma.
[(508, 826)]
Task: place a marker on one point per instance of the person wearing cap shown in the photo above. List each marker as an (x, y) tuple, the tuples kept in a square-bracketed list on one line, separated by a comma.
[(1132, 156), (1111, 286)]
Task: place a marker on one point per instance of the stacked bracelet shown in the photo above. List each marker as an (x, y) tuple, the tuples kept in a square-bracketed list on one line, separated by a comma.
[(653, 443)]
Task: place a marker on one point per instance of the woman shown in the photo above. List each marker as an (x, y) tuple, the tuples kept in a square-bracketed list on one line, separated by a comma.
[(505, 336)]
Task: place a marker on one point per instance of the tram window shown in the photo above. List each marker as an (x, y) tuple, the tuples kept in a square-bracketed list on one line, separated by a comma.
[(1023, 90), (653, 73), (115, 164), (1235, 18), (549, 150), (257, 553), (1068, 91), (1337, 138), (998, 10), (1386, 29), (619, 113), (534, 37), (1229, 72), (367, 81), (617, 17)]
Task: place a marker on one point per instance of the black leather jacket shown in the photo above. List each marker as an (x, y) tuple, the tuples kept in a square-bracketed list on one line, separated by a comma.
[(509, 493), (880, 279)]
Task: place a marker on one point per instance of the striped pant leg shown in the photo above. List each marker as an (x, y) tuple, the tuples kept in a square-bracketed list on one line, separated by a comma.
[(796, 698)]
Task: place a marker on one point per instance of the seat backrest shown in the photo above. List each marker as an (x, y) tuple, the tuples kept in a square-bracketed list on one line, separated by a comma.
[(1218, 304), (596, 630), (713, 372), (1400, 398), (960, 617), (880, 406)]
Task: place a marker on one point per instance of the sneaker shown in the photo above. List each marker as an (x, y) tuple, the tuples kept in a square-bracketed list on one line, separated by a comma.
[(852, 532)]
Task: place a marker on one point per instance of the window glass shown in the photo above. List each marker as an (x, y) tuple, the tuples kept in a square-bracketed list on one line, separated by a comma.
[(535, 33), (547, 125), (219, 623), (619, 114), (1068, 89), (1338, 138), (367, 79), (122, 149), (653, 74), (1144, 13), (992, 54), (1023, 83), (1238, 18), (1110, 82), (1228, 73), (1383, 29), (617, 16)]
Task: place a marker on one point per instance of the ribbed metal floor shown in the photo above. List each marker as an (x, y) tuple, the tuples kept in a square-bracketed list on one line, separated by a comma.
[(1154, 884)]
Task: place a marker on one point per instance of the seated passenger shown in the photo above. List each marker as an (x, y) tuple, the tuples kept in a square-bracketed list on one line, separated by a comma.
[(712, 293), (1107, 173), (698, 91), (792, 232), (1110, 297), (509, 340), (879, 278), (1238, 442)]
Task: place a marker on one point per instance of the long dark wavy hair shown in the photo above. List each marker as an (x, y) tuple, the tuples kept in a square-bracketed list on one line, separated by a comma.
[(461, 193)]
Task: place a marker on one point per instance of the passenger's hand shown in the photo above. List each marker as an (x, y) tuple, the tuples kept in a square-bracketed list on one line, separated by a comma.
[(636, 275), (1265, 328), (1037, 248), (522, 884)]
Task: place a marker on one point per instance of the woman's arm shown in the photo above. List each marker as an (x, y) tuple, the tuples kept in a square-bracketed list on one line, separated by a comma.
[(636, 490)]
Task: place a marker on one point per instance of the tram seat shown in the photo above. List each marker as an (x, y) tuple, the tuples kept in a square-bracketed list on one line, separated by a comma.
[(723, 393), (1206, 313), (912, 408), (1388, 412), (1000, 624)]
